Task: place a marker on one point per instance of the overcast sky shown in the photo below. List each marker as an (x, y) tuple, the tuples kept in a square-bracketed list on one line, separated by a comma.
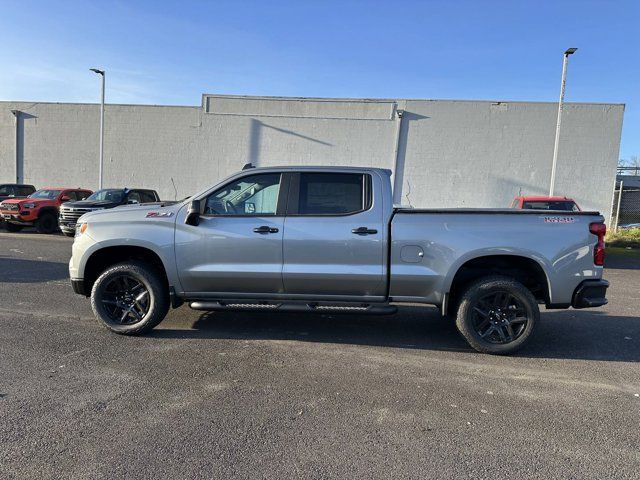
[(171, 52)]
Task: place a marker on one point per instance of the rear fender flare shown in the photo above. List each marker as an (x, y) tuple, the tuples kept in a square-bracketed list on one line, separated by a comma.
[(448, 281)]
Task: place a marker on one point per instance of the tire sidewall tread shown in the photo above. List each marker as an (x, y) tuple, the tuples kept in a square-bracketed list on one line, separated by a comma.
[(152, 280), (482, 287)]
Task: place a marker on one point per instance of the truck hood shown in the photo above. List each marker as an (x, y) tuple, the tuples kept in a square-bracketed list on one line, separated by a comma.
[(37, 201), (91, 204), (128, 213)]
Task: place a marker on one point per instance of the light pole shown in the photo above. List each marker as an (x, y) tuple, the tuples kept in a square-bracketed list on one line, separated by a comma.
[(565, 61), (16, 113), (101, 73)]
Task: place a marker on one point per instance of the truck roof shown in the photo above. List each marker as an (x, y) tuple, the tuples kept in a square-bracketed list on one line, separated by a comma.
[(316, 168), (544, 198)]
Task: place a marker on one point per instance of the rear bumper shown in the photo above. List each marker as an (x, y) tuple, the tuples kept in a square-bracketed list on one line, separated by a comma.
[(590, 293)]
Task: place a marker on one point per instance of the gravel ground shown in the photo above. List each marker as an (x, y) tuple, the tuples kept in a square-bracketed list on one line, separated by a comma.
[(258, 395)]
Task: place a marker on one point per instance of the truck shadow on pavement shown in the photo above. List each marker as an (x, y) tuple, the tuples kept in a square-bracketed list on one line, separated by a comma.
[(570, 334), (18, 270)]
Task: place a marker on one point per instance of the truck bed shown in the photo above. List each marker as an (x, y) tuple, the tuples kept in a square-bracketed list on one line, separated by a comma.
[(502, 211)]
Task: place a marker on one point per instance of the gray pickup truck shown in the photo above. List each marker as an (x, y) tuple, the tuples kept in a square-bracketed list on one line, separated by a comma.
[(329, 240)]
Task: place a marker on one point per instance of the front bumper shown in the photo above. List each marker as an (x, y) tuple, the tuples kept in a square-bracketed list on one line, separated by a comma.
[(590, 293), (17, 218), (67, 227), (78, 287)]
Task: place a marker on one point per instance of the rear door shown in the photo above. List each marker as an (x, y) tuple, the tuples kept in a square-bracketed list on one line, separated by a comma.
[(333, 242), (237, 247)]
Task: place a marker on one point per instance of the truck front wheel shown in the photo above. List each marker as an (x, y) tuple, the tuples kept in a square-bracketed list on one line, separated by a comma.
[(497, 315), (47, 223), (130, 298)]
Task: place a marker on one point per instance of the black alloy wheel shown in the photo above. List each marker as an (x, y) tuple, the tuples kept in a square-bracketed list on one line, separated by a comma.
[(125, 300), (499, 317)]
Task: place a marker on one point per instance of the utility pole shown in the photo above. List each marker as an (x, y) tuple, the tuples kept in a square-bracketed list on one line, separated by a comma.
[(565, 61), (101, 73), (16, 113)]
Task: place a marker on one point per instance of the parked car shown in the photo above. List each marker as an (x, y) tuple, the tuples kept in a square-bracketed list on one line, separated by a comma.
[(100, 200), (329, 240), (545, 203), (39, 209), (15, 190)]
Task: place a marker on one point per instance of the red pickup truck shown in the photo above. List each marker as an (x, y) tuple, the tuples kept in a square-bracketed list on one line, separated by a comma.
[(545, 203), (39, 209)]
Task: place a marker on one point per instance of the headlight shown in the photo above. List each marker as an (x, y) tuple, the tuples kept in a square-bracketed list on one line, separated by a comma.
[(28, 205), (81, 228)]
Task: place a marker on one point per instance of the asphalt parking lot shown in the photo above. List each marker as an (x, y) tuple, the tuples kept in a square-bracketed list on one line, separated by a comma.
[(237, 395)]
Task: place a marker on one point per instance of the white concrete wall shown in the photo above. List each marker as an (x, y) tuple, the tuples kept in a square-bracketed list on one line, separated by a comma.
[(454, 153)]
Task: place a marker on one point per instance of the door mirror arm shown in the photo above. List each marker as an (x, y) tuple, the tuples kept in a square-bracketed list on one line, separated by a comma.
[(193, 213)]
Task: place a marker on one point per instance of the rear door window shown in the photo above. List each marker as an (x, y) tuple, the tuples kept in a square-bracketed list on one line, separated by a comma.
[(332, 194), (564, 206), (134, 197), (146, 197)]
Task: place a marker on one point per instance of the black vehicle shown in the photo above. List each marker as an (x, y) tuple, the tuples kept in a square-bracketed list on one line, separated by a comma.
[(70, 212), (15, 190)]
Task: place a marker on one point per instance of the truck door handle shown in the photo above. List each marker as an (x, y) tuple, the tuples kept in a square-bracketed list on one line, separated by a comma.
[(265, 229), (364, 231)]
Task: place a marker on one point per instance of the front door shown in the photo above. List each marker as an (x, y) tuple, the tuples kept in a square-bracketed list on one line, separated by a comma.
[(333, 237), (237, 247)]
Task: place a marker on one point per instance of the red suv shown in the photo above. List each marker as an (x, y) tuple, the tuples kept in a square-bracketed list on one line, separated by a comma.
[(39, 209), (545, 203)]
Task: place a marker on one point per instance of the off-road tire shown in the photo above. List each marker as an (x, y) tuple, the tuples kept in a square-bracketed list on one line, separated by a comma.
[(480, 290), (154, 283), (47, 223)]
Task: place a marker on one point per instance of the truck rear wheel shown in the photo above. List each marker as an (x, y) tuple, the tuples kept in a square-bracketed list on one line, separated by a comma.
[(497, 315), (130, 298), (47, 223), (12, 227)]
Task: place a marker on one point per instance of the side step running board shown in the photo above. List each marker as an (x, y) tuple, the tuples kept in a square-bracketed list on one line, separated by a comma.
[(370, 309)]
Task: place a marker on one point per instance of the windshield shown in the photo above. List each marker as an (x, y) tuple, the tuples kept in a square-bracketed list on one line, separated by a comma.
[(46, 194), (565, 206), (109, 194)]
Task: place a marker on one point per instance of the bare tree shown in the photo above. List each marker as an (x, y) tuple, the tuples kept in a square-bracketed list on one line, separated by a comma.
[(630, 165)]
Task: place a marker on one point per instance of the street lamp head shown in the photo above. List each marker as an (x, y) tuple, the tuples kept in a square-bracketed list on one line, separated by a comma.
[(95, 70), (570, 51), (15, 112)]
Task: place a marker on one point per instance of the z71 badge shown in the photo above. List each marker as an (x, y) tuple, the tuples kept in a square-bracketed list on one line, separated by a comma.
[(159, 214), (559, 220)]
